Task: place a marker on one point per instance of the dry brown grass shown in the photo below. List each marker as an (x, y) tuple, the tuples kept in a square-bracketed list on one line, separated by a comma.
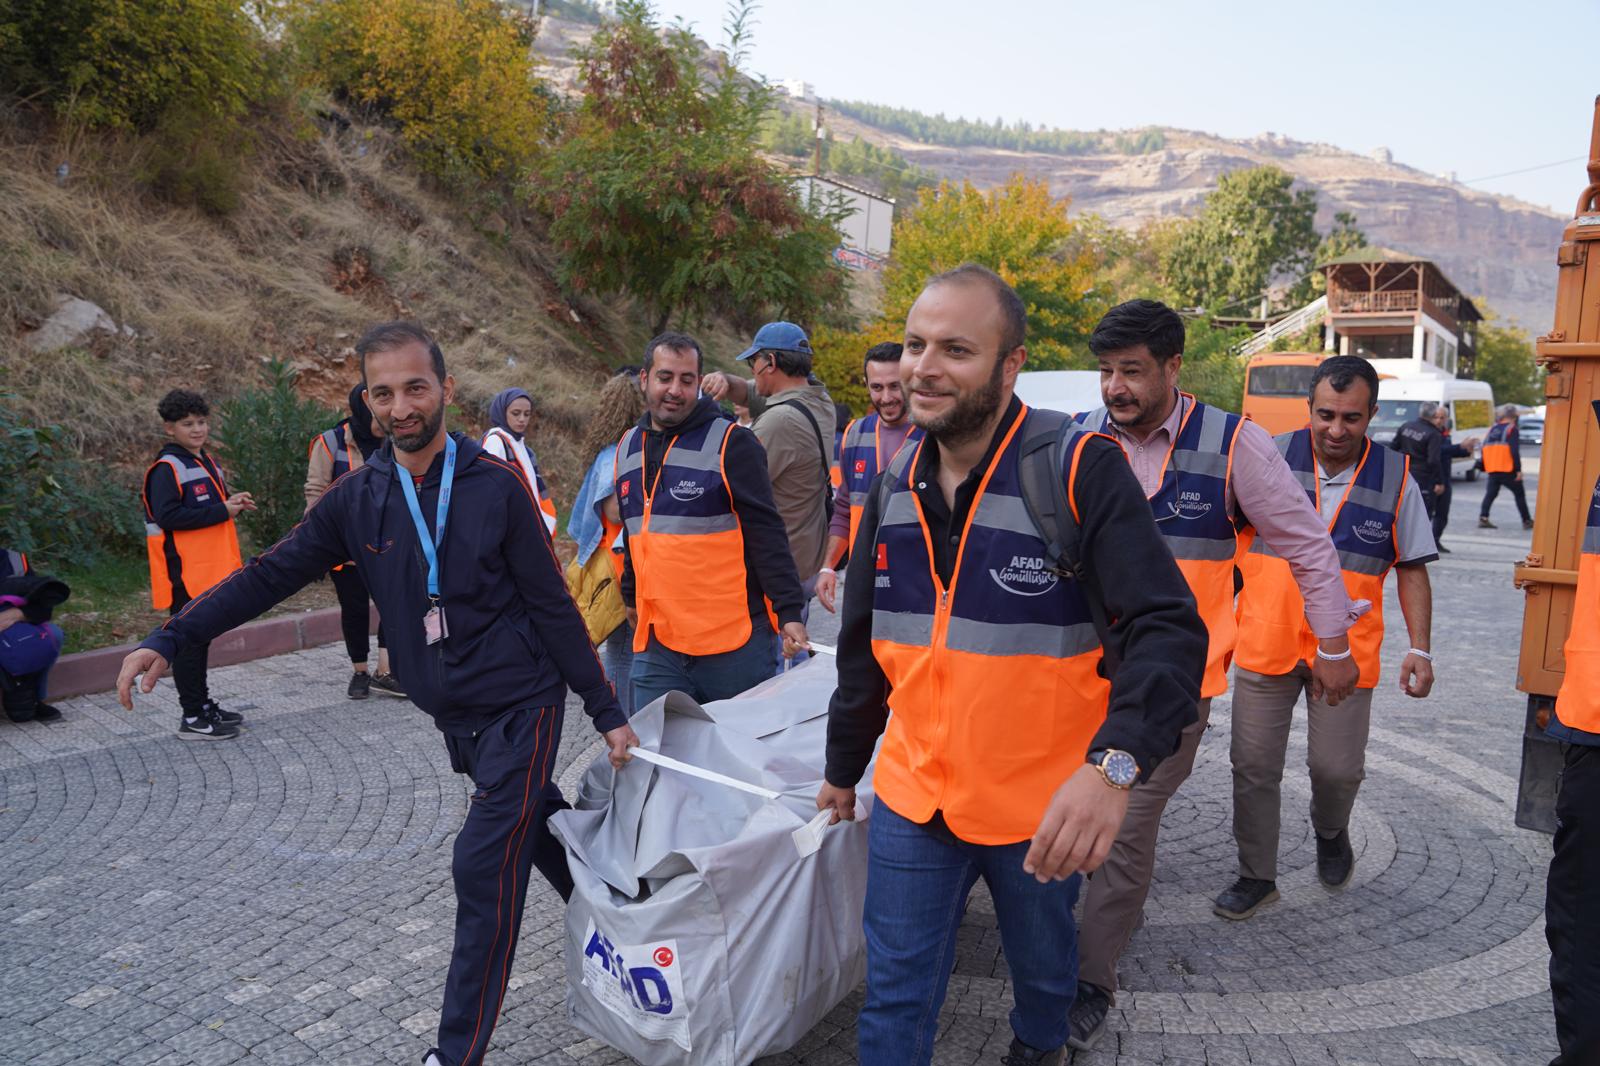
[(332, 234)]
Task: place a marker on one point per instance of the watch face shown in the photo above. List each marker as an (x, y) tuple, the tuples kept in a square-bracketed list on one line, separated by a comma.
[(1120, 768)]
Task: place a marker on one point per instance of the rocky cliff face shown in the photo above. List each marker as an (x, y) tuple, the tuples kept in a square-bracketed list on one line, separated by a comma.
[(1495, 248)]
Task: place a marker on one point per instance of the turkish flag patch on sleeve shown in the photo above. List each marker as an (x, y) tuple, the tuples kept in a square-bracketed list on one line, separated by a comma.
[(883, 557), (861, 466)]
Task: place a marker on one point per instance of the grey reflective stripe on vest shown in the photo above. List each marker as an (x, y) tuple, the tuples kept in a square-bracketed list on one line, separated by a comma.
[(185, 474), (17, 565), (706, 457), (1306, 478), (1200, 548), (153, 530), (901, 511), (1009, 513), (1016, 638), (1591, 540), (1387, 497), (685, 525), (1095, 421), (1354, 562), (1357, 563), (912, 630), (336, 448)]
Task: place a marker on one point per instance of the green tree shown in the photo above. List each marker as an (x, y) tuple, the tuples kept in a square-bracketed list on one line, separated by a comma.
[(125, 63), (1506, 361), (263, 437), (657, 188), (1019, 232), (1254, 229)]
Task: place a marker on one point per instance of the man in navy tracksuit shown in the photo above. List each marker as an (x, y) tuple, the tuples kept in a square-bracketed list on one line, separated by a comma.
[(482, 634)]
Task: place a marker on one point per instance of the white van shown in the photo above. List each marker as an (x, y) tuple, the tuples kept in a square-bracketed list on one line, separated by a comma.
[(1471, 405), (1068, 391)]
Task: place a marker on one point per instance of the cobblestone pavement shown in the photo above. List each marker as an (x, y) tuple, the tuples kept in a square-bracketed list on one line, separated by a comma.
[(286, 898)]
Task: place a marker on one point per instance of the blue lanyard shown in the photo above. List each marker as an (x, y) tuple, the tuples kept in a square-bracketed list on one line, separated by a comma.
[(431, 545)]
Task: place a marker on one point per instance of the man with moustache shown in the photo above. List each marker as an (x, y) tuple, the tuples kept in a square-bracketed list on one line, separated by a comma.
[(869, 445), (1208, 474), (1006, 756), (1373, 511), (484, 637), (708, 576)]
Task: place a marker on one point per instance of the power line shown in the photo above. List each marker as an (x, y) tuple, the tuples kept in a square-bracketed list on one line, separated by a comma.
[(1528, 170)]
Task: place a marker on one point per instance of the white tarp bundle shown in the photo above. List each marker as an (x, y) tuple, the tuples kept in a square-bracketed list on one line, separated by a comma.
[(707, 925)]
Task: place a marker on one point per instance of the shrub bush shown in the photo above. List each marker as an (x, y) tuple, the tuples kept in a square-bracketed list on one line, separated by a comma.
[(123, 63), (57, 505), (263, 438), (456, 77)]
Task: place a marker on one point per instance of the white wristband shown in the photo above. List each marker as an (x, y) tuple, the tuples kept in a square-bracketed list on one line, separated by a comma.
[(1419, 653), (828, 570), (1339, 658)]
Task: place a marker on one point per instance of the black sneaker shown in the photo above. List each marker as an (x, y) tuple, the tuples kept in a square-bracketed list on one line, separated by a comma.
[(225, 717), (386, 685), (44, 712), (1442, 549), (1088, 1016), (1244, 897), (1336, 860), (1527, 523), (360, 683), (1484, 523), (205, 726), (1023, 1055)]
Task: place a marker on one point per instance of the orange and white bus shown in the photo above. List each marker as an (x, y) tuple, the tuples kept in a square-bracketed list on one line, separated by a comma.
[(1276, 388)]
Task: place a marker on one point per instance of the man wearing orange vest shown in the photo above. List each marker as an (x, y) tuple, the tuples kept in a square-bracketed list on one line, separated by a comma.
[(868, 446), (1571, 924), (192, 545), (1502, 464), (707, 574), (1374, 513), (1005, 754), (1207, 473)]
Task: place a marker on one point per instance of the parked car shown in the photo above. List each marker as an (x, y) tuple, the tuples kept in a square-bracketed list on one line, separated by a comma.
[(1530, 430)]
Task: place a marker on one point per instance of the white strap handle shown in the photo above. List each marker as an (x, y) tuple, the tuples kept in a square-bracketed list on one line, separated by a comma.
[(807, 839)]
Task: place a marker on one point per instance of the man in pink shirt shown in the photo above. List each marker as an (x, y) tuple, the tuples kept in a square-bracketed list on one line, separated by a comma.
[(1212, 477)]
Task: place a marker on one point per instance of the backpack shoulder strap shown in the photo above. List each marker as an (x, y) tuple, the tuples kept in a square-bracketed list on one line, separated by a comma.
[(1044, 492)]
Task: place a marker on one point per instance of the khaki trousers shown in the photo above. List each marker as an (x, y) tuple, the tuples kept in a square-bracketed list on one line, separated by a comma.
[(1116, 894), (1336, 742)]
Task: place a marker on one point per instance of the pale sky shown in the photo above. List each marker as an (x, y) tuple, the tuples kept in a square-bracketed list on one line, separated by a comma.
[(1478, 88)]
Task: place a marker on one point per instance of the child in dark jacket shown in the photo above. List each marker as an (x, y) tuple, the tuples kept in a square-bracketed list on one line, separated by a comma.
[(192, 545)]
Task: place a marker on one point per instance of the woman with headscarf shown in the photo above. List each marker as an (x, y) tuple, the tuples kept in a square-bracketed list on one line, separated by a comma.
[(596, 522), (334, 453), (510, 414)]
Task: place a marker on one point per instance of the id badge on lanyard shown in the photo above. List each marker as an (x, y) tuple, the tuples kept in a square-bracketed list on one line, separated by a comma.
[(433, 623)]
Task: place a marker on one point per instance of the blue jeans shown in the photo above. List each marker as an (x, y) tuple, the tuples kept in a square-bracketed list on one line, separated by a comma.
[(619, 665), (917, 886), (705, 678)]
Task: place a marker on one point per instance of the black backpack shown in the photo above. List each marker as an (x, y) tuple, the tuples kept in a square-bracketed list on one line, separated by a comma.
[(1044, 492)]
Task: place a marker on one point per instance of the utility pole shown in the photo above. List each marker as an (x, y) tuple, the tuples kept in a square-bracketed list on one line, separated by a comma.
[(816, 166)]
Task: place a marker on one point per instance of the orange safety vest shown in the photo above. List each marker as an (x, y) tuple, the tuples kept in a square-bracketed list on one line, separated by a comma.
[(1274, 636), (1497, 449), (1578, 701), (686, 543), (995, 693), (861, 459), (204, 556), (1191, 510)]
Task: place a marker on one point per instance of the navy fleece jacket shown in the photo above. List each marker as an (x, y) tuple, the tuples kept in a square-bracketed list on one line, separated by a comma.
[(515, 639)]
